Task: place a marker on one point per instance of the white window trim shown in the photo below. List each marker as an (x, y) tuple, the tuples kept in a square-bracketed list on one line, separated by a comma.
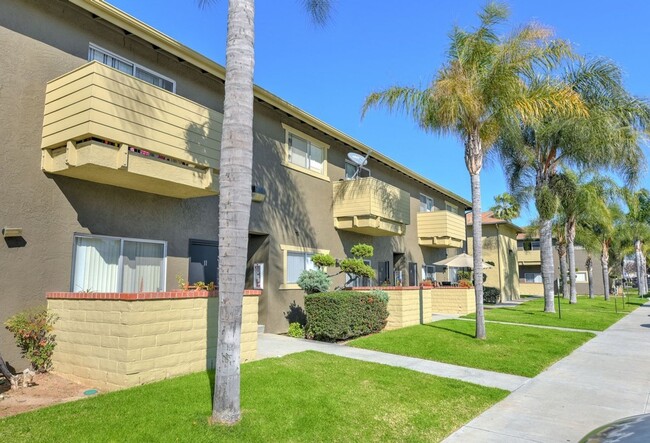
[(433, 207), (285, 161), (586, 280), (289, 248), (120, 263), (135, 65), (348, 162)]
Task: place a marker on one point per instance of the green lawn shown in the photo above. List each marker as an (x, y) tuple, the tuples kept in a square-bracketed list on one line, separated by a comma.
[(519, 350), (591, 314), (302, 397)]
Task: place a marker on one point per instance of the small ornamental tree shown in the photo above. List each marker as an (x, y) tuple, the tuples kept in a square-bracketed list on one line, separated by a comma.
[(313, 281), (354, 266)]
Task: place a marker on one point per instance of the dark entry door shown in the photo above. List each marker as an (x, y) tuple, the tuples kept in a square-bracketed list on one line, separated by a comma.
[(413, 274), (204, 261)]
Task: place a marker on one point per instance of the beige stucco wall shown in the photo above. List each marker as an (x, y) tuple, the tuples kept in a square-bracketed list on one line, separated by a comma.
[(500, 248), (114, 343), (453, 301)]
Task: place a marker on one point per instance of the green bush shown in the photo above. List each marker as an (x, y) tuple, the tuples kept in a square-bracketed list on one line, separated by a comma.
[(343, 315), (32, 330), (380, 294), (313, 281), (491, 295), (296, 330)]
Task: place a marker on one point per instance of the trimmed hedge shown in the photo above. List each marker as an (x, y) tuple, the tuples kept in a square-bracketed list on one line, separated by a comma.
[(341, 315), (491, 295)]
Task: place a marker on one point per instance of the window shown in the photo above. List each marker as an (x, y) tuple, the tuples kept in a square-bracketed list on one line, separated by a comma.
[(128, 67), (529, 245), (296, 260), (581, 277), (451, 208), (113, 264), (358, 281), (426, 203), (533, 277), (351, 170), (305, 153), (383, 272)]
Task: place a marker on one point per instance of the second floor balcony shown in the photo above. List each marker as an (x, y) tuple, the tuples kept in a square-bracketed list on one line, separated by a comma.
[(370, 206), (529, 257), (441, 229), (108, 127)]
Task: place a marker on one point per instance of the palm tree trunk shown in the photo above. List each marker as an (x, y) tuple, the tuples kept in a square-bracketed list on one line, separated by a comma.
[(546, 246), (477, 237), (570, 239), (474, 163), (235, 180), (638, 262), (604, 259), (589, 264), (644, 272), (564, 287)]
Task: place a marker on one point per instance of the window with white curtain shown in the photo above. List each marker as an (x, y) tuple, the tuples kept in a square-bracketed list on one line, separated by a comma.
[(128, 67), (113, 264)]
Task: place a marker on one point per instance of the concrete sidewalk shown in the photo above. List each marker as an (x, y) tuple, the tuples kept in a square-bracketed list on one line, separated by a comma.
[(604, 380), (269, 345)]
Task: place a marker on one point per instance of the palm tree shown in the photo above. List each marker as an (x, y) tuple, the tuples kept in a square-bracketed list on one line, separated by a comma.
[(482, 85), (235, 180), (506, 207), (559, 234), (607, 136), (635, 232)]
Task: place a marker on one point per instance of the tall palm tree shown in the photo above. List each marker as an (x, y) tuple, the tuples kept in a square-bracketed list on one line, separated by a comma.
[(235, 179), (607, 136), (635, 232), (480, 86), (506, 206)]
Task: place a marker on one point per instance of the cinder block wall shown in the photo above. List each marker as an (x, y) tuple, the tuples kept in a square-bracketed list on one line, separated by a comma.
[(118, 340), (453, 300), (404, 305), (531, 289)]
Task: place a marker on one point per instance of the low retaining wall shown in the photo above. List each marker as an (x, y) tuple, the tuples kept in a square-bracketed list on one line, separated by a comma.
[(116, 340), (450, 300), (404, 305), (531, 289)]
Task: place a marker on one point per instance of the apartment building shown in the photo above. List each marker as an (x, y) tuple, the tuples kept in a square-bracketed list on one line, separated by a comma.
[(499, 252), (111, 161), (530, 267)]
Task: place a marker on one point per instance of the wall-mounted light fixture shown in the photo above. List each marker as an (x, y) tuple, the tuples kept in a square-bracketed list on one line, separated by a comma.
[(12, 232), (259, 193)]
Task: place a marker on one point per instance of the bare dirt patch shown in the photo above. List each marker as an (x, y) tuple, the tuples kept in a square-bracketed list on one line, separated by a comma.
[(48, 389)]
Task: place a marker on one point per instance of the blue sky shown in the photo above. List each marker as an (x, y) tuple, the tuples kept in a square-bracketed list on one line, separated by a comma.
[(372, 44)]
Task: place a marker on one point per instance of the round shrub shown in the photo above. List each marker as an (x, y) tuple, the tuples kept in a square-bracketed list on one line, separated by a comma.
[(342, 315), (296, 330), (491, 295), (314, 281)]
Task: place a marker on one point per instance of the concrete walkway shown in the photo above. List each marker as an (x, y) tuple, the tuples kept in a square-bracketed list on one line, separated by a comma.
[(602, 381), (269, 345)]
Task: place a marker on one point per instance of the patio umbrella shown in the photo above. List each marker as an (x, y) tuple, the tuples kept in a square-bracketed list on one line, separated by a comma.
[(460, 261)]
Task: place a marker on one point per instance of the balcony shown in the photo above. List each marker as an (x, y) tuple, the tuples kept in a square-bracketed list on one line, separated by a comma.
[(531, 257), (441, 229), (371, 207), (104, 126)]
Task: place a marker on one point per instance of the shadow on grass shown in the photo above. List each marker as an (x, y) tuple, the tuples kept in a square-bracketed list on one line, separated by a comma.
[(433, 325)]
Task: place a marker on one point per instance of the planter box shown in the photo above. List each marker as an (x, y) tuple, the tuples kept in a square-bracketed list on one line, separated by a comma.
[(404, 305)]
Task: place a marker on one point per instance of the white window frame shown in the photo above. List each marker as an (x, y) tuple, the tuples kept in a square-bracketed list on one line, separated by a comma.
[(534, 275), (285, 268), (120, 263), (453, 206), (585, 276), (425, 268), (428, 199), (288, 132), (362, 168), (136, 66)]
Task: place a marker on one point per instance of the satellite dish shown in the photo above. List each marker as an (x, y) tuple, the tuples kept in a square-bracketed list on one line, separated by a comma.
[(357, 159)]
